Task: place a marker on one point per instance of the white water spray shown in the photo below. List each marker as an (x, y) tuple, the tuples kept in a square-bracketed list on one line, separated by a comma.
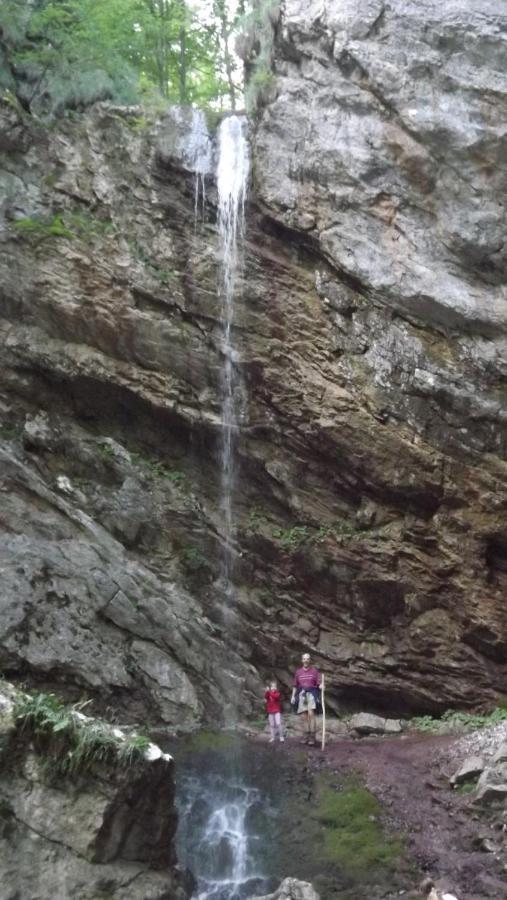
[(216, 841), (232, 184), (195, 148)]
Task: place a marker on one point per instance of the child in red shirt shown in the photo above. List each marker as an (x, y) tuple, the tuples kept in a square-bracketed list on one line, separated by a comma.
[(274, 711)]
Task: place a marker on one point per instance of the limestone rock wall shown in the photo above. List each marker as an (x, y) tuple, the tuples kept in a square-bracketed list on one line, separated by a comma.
[(371, 498), (108, 831)]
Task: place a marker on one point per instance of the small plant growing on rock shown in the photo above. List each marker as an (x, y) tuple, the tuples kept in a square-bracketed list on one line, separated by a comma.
[(292, 537), (72, 741), (41, 230), (456, 720), (193, 560), (156, 469), (256, 519)]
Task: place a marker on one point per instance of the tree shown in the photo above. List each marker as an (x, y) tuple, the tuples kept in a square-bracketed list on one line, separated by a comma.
[(57, 54)]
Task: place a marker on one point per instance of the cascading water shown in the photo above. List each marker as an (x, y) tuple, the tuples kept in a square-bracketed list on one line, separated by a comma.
[(195, 148), (216, 837), (218, 841), (232, 184)]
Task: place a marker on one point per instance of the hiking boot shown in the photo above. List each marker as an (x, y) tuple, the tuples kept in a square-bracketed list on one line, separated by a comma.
[(282, 739), (306, 740), (312, 742), (271, 741)]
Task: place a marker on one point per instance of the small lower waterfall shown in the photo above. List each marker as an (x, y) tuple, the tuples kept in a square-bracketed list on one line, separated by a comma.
[(217, 840)]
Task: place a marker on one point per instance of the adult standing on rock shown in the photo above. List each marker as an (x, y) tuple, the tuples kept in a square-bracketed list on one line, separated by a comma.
[(305, 695)]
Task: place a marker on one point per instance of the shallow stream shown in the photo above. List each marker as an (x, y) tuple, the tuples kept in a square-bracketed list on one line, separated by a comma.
[(251, 815)]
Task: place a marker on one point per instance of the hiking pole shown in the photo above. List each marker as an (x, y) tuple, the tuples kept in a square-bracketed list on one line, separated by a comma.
[(323, 704)]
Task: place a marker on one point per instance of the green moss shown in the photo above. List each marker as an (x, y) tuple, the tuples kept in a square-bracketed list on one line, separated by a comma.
[(354, 838), (292, 537), (256, 519), (467, 788), (211, 742), (157, 469), (213, 117), (41, 230), (10, 432), (138, 124), (193, 560), (87, 226)]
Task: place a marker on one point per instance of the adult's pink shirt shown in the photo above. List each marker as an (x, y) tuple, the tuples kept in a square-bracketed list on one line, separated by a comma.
[(307, 678)]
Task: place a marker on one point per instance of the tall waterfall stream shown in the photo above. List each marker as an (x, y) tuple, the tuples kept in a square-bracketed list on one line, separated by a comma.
[(232, 184), (216, 840)]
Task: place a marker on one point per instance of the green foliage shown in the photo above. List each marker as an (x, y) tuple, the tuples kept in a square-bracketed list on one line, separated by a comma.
[(193, 560), (87, 226), (354, 837), (295, 537), (467, 788), (132, 749), (138, 124), (106, 452), (292, 537), (259, 87), (156, 469), (256, 519), (63, 225), (455, 720), (74, 743), (10, 432), (58, 55), (258, 41), (41, 230)]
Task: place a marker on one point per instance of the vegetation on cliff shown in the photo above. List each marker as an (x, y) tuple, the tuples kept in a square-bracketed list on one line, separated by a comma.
[(71, 741), (56, 55)]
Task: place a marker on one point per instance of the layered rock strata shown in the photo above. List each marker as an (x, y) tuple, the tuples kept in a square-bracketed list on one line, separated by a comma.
[(370, 333)]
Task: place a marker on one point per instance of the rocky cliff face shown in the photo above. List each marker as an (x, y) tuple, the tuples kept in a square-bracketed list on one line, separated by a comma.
[(371, 496), (92, 833)]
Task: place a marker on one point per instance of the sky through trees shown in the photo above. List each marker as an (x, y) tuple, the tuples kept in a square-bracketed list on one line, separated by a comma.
[(58, 54)]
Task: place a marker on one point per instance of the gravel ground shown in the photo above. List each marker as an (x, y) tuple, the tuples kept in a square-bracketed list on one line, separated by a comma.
[(410, 776), (483, 742)]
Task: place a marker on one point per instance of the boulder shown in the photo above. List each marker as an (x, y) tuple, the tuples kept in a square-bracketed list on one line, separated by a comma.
[(292, 889), (495, 774), (491, 794), (470, 770), (393, 726), (501, 754), (367, 723)]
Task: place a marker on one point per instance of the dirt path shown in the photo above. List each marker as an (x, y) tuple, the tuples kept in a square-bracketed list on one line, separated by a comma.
[(410, 776)]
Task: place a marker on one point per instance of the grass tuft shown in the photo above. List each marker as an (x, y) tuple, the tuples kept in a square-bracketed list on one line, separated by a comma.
[(73, 742)]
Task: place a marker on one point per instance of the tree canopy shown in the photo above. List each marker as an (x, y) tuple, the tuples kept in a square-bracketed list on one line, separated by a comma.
[(56, 54)]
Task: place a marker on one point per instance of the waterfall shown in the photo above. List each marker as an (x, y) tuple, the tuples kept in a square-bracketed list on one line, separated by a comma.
[(216, 838), (195, 148), (232, 183)]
